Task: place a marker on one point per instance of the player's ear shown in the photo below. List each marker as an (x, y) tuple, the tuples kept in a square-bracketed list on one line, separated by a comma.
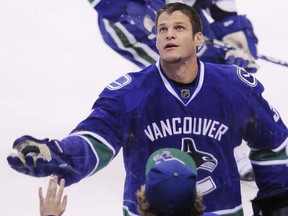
[(198, 38)]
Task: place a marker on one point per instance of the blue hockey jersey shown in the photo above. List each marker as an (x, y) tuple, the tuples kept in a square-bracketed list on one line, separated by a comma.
[(144, 111)]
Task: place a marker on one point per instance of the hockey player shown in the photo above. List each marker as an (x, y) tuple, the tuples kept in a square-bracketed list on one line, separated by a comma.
[(203, 109), (170, 186), (128, 27)]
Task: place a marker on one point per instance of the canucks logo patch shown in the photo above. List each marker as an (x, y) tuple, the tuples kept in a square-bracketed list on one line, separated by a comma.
[(119, 83), (204, 161), (246, 77)]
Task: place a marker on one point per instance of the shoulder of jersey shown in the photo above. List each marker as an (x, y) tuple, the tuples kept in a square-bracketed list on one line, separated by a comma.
[(132, 80), (232, 75)]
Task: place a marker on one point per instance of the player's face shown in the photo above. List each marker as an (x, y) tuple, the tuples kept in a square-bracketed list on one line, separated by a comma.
[(175, 41)]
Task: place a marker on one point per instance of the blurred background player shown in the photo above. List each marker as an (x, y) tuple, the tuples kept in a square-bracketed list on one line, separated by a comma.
[(170, 186), (128, 28)]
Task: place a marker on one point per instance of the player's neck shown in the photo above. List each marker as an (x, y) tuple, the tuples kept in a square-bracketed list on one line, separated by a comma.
[(181, 72)]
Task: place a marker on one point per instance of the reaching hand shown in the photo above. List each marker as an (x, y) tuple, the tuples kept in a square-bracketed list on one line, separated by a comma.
[(53, 204)]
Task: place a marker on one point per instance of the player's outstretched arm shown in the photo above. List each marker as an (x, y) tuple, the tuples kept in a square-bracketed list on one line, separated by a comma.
[(54, 203)]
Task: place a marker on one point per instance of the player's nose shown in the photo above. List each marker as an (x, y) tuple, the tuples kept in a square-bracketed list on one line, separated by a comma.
[(170, 33)]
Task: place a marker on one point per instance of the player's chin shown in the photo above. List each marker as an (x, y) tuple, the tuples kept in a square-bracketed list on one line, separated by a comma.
[(171, 59)]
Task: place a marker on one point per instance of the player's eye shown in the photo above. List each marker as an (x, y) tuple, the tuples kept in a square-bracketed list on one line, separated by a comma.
[(162, 29), (179, 28)]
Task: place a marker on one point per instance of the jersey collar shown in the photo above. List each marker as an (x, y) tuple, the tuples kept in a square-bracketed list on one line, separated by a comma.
[(171, 88)]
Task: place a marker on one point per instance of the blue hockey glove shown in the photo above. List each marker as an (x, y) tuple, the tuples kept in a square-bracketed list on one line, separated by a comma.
[(237, 31), (39, 158)]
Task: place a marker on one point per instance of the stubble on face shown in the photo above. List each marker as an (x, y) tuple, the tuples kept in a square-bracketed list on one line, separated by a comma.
[(172, 60)]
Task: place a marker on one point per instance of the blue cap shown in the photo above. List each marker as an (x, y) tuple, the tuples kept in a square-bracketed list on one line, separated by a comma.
[(171, 182)]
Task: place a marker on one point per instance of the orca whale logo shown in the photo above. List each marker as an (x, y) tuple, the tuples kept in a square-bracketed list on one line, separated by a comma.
[(203, 160)]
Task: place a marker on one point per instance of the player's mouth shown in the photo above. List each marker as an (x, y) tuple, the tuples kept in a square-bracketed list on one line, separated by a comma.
[(170, 46)]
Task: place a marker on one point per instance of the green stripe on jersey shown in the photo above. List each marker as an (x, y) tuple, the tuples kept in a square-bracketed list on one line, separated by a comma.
[(127, 44), (266, 155), (104, 153), (231, 212)]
